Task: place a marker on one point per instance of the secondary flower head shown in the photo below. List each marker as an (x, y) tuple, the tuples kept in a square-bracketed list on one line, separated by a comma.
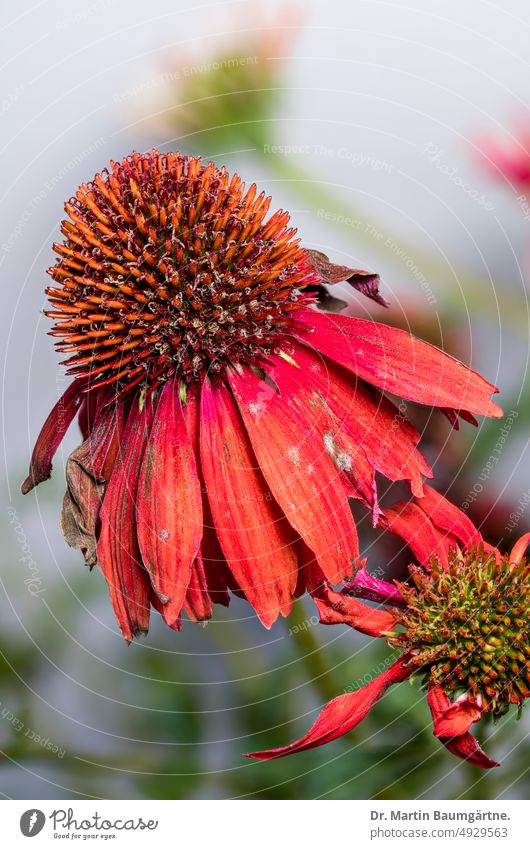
[(508, 158), (233, 89), (462, 625), (226, 422), (466, 626)]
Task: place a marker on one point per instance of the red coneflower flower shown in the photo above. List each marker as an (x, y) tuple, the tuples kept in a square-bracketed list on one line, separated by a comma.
[(226, 423), (463, 626)]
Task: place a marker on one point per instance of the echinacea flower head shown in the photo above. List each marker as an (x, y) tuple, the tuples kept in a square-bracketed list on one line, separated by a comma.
[(226, 422), (462, 624)]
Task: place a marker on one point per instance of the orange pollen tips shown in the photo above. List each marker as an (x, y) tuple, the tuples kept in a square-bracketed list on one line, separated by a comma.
[(468, 627), (169, 267)]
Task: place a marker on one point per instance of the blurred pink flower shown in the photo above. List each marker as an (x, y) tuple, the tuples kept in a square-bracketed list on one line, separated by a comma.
[(508, 157)]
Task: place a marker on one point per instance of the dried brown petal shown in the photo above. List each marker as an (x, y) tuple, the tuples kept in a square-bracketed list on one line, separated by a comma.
[(366, 282)]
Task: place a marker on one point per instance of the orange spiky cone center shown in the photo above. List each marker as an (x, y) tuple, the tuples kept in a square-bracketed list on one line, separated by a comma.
[(169, 267)]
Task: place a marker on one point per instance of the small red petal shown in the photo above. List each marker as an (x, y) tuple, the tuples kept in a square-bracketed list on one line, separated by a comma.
[(343, 713), (458, 718), (447, 517), (52, 433), (409, 522), (517, 552), (338, 609), (458, 741), (467, 748), (197, 603)]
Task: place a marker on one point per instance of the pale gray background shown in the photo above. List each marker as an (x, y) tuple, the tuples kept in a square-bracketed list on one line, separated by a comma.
[(381, 79)]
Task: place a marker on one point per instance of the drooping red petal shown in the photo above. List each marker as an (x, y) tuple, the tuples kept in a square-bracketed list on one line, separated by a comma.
[(216, 571), (103, 444), (338, 609), (88, 411), (454, 720), (467, 748), (458, 718), (329, 419), (169, 506), (197, 603), (253, 533), (343, 713), (398, 362), (447, 517), (118, 551), (410, 523), (517, 552), (52, 434), (310, 575), (176, 623), (288, 441), (375, 425)]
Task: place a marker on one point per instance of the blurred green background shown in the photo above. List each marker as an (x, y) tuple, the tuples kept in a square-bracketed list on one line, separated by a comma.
[(357, 120)]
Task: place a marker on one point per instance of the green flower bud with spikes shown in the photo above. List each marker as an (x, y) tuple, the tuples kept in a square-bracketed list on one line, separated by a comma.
[(467, 627)]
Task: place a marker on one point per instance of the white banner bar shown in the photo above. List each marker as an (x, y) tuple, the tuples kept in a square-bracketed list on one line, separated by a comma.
[(262, 824)]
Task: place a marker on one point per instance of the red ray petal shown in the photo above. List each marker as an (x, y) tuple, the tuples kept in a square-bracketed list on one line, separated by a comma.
[(310, 575), (197, 603), (216, 571), (169, 507), (88, 411), (343, 713), (467, 748), (409, 522), (251, 529), (100, 450), (517, 552), (287, 436), (398, 362), (52, 433), (338, 609), (458, 718), (449, 518), (176, 623), (118, 552), (375, 425), (456, 737)]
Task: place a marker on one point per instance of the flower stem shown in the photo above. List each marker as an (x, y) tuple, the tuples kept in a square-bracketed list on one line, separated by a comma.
[(301, 628)]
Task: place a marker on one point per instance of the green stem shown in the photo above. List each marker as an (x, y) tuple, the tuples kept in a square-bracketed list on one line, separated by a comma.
[(301, 628)]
